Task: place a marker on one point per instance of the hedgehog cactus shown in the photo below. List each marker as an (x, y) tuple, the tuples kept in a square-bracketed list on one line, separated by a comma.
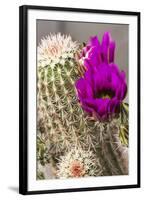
[(56, 90), (78, 163), (62, 122)]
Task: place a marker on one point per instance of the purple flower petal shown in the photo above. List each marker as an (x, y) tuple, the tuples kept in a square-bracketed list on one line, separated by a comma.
[(111, 51), (94, 41), (102, 105), (93, 57), (101, 90), (106, 39), (95, 53), (83, 88)]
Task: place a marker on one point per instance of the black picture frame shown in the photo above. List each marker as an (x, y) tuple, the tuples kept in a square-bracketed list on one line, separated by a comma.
[(23, 97)]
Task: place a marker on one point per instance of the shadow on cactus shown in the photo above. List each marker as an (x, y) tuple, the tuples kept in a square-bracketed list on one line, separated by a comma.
[(80, 109)]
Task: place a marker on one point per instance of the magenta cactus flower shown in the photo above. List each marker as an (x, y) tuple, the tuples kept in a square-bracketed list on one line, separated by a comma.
[(101, 90), (95, 53)]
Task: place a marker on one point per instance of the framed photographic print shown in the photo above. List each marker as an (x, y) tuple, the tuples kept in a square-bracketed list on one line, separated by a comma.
[(79, 99)]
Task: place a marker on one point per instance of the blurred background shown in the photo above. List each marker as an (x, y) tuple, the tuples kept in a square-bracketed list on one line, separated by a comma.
[(81, 31)]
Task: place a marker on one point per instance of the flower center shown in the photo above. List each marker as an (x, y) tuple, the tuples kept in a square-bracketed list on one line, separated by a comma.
[(105, 94), (76, 169)]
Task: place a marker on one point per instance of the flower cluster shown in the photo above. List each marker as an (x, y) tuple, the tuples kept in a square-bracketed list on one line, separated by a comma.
[(56, 48), (103, 86), (78, 163)]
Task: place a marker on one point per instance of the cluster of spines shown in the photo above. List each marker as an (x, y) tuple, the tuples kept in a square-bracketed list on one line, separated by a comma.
[(61, 120)]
